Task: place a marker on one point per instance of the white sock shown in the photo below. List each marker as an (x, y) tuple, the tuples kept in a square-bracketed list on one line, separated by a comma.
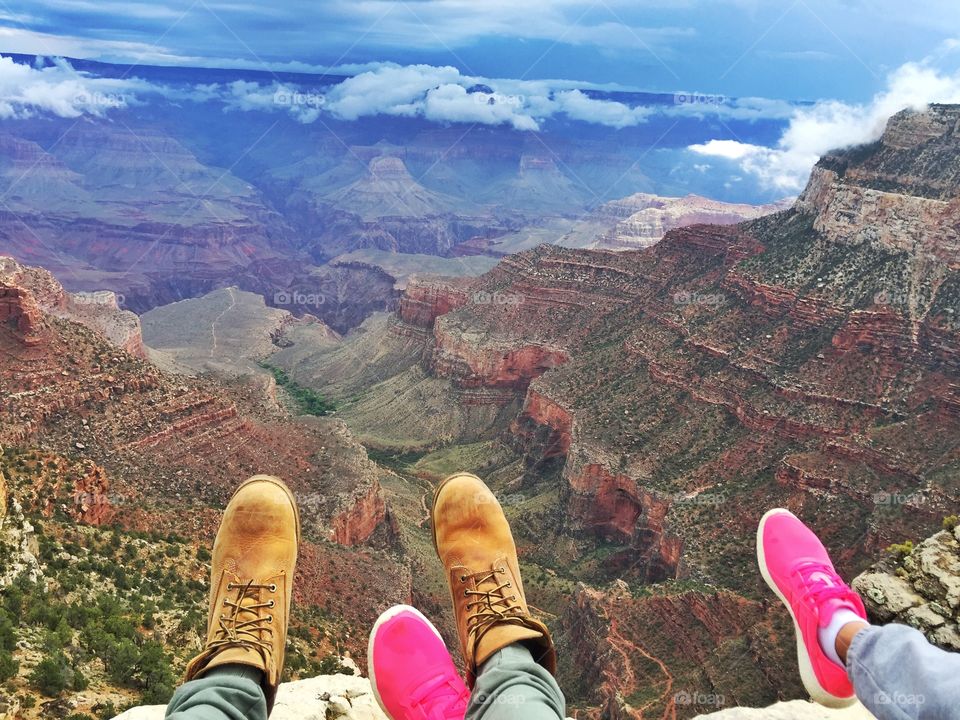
[(828, 635)]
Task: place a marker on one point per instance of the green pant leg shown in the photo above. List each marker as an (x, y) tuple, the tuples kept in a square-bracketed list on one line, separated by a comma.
[(511, 686), (231, 692)]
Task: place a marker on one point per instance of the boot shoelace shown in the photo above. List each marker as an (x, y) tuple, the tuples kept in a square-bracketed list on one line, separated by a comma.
[(235, 631), (492, 605), (439, 698)]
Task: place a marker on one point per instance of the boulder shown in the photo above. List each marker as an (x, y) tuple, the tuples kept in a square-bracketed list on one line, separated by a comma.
[(885, 595)]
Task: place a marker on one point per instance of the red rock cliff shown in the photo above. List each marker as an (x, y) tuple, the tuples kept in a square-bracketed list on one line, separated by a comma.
[(359, 516), (19, 311), (424, 301)]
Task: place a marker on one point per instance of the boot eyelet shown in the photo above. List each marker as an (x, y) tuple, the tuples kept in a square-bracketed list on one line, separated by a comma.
[(463, 578), (513, 597), (273, 587), (466, 593), (503, 570), (230, 586), (509, 584), (226, 603), (269, 618), (271, 604)]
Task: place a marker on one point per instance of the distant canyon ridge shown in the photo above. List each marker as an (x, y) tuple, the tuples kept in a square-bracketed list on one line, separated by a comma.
[(160, 202)]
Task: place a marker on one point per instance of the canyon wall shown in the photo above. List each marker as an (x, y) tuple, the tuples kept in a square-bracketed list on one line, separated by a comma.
[(69, 388), (789, 350)]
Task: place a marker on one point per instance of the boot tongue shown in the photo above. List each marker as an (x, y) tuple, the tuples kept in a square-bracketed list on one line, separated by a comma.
[(245, 612), (240, 654)]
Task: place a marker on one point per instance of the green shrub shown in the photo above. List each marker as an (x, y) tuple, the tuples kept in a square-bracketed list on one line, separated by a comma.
[(105, 710), (80, 682), (8, 632), (901, 550), (52, 675), (309, 401), (8, 665), (154, 673), (950, 522), (331, 665)]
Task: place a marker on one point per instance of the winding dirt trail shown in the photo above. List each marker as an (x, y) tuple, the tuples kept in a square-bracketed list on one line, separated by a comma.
[(628, 682), (213, 325), (425, 507)]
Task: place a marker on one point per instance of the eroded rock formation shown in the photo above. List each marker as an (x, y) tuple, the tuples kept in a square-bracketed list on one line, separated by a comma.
[(81, 395), (97, 310), (921, 589)]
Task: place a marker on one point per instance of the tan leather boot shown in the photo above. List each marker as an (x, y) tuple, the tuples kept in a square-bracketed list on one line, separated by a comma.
[(473, 540), (251, 582)]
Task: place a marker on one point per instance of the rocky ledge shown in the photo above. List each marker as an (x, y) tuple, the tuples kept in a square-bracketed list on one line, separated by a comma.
[(327, 697), (346, 697), (793, 710), (922, 590)]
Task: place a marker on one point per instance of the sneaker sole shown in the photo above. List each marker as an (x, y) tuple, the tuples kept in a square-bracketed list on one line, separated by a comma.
[(383, 619), (807, 674)]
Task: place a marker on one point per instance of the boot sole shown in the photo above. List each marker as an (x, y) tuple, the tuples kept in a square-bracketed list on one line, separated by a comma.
[(385, 617), (807, 674), (280, 484), (433, 506)]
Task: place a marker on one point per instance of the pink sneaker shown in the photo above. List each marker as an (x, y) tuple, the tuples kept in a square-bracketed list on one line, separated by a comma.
[(412, 674), (797, 568)]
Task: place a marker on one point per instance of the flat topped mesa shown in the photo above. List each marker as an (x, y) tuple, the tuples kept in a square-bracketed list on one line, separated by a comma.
[(387, 166)]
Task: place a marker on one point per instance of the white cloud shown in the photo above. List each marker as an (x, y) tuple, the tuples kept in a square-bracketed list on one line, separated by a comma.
[(832, 124), (388, 90), (27, 90), (250, 96), (578, 106), (441, 94), (452, 103), (729, 149)]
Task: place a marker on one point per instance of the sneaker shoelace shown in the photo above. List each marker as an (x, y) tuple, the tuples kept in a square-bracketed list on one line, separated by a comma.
[(821, 583), (245, 624), (440, 698), (492, 604)]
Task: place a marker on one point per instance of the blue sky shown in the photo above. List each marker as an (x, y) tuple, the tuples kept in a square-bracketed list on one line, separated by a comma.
[(787, 49)]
